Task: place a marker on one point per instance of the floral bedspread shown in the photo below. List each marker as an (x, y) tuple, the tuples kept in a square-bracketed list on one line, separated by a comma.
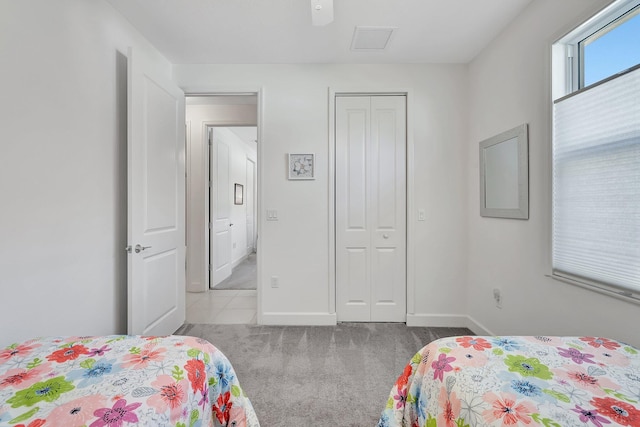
[(518, 381), (119, 381)]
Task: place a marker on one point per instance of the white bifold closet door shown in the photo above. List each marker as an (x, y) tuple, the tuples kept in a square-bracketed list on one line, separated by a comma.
[(370, 208)]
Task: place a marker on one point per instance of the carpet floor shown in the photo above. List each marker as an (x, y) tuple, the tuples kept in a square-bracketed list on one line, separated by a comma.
[(318, 375)]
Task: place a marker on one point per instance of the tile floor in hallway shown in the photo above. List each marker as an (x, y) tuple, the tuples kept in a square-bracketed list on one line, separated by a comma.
[(222, 307)]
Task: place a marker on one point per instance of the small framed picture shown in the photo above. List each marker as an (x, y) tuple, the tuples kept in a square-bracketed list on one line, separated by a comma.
[(301, 166), (238, 194)]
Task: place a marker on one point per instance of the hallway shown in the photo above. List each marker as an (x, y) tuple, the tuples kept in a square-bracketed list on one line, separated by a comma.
[(222, 307), (232, 301), (243, 277)]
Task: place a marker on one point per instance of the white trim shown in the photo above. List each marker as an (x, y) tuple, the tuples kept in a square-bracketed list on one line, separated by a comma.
[(602, 18), (438, 320), (331, 161), (589, 25), (411, 212), (299, 319), (601, 288), (410, 173), (447, 321), (259, 195), (477, 327)]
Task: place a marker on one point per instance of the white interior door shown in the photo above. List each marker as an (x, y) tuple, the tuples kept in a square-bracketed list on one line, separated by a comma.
[(156, 190), (250, 205), (371, 208), (220, 249)]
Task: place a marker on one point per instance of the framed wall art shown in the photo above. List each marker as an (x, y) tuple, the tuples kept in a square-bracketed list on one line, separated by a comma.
[(238, 194), (301, 166)]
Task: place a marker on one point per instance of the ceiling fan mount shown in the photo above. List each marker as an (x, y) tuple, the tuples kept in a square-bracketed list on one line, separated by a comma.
[(321, 12)]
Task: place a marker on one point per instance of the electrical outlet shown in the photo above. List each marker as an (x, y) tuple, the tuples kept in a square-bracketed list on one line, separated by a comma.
[(497, 297), (274, 282)]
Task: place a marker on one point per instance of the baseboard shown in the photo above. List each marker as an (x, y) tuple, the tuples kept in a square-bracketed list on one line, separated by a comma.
[(447, 320), (299, 319), (477, 327), (195, 287), (438, 320)]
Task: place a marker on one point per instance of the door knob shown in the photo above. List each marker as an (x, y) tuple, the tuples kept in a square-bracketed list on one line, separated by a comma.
[(385, 236), (139, 248)]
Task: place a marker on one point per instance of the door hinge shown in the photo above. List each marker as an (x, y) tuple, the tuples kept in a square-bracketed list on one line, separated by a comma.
[(209, 226), (209, 267)]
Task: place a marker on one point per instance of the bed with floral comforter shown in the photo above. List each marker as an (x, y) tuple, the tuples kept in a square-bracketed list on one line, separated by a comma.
[(114, 381), (518, 381)]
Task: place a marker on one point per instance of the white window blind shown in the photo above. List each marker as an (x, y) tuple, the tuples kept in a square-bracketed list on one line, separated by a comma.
[(596, 185)]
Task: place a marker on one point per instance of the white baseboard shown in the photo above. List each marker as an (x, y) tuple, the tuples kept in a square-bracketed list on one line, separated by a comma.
[(195, 287), (438, 320), (477, 327), (299, 319), (447, 320), (326, 319)]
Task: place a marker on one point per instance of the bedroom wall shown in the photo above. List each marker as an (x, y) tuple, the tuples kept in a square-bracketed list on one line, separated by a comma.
[(63, 167), (509, 84), (295, 110)]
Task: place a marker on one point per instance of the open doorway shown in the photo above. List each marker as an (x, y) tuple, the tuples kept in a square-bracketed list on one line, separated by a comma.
[(222, 182), (232, 207)]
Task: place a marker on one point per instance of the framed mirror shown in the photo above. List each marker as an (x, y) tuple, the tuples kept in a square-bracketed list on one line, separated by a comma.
[(504, 174)]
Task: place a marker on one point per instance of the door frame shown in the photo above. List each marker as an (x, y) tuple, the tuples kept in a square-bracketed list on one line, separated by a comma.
[(410, 174), (206, 90)]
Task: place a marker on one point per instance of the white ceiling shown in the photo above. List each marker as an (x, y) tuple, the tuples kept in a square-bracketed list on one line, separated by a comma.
[(280, 31)]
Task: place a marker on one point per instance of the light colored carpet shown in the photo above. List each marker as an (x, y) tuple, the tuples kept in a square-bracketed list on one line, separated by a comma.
[(319, 375), (244, 276)]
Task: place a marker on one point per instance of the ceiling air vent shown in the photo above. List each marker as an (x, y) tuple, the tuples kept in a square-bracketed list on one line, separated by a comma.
[(371, 38)]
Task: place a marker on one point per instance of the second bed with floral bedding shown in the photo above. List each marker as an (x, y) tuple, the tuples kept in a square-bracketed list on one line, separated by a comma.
[(518, 381)]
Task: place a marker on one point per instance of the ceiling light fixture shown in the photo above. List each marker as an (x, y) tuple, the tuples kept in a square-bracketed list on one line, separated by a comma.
[(321, 12)]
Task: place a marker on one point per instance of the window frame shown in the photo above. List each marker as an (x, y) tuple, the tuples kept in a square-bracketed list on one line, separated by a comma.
[(592, 28), (567, 59)]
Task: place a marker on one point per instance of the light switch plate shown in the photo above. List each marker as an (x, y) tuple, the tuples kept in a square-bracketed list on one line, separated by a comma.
[(272, 215)]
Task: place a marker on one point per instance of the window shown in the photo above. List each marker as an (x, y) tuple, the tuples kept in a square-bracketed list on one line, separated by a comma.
[(596, 154), (611, 49)]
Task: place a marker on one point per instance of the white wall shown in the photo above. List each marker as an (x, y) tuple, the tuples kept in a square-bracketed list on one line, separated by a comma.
[(198, 117), (63, 167), (509, 84), (295, 110)]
